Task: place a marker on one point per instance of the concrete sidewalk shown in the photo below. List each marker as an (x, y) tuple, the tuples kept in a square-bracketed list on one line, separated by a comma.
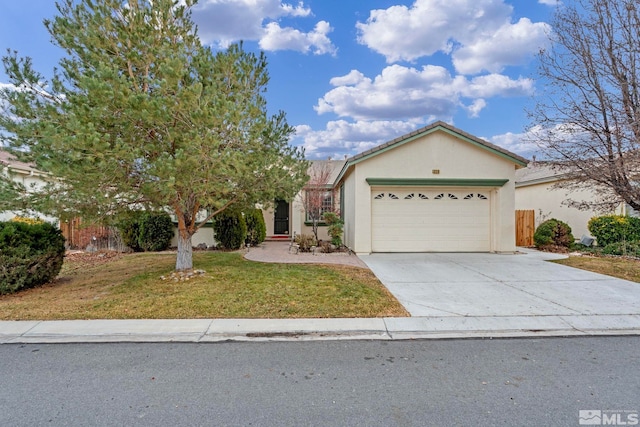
[(396, 328), (463, 296)]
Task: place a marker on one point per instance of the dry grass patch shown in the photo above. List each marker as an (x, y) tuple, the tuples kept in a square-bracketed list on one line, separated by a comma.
[(129, 287), (622, 268)]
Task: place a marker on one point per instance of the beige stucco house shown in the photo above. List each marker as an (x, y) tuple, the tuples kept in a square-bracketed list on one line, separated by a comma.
[(437, 189), (536, 190), (26, 175)]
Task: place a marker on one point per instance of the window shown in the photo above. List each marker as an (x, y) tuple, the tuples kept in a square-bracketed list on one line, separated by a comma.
[(317, 203)]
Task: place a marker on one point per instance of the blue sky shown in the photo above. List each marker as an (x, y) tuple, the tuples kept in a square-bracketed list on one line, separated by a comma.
[(353, 74)]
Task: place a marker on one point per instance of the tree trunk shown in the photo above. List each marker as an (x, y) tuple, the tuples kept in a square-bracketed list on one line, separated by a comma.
[(184, 259)]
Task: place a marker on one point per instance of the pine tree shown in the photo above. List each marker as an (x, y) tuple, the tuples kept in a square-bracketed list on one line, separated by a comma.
[(140, 114)]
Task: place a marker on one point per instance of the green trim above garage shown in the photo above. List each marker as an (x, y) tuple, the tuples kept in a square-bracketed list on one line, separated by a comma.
[(439, 182)]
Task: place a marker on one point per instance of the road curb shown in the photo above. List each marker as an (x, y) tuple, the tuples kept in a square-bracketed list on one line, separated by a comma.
[(396, 328)]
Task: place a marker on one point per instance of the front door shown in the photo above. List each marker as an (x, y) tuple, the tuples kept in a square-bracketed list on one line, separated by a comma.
[(281, 218)]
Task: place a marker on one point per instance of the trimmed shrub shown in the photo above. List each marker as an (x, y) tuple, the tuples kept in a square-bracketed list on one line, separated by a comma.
[(256, 228), (156, 231), (553, 232), (334, 230), (30, 255), (614, 228), (129, 227), (631, 249), (305, 242), (230, 228), (146, 231)]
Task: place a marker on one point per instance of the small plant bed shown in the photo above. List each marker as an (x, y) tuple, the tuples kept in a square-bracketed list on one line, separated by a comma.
[(130, 286), (622, 268)]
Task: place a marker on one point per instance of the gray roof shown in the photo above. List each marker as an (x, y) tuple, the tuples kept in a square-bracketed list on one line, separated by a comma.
[(439, 125), (334, 165), (537, 173), (445, 126), (7, 160)]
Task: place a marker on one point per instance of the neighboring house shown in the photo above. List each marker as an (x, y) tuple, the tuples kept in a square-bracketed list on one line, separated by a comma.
[(204, 235), (26, 175), (535, 190), (437, 189)]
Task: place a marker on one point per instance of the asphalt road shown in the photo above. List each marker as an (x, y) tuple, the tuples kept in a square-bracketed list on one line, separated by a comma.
[(510, 382)]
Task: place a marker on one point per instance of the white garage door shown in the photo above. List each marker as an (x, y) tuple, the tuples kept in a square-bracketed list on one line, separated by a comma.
[(431, 220)]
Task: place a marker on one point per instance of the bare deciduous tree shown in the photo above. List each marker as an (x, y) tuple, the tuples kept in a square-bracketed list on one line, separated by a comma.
[(587, 118), (316, 193)]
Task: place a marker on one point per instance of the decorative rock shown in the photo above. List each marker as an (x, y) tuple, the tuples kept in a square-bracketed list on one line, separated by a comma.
[(182, 276)]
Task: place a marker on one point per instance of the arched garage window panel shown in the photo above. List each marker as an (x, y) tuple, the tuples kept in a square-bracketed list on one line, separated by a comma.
[(449, 195), (393, 196), (475, 196), (379, 196), (413, 195)]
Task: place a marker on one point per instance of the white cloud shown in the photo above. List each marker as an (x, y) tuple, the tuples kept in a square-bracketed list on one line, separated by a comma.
[(550, 2), (519, 143), (401, 93), (477, 33), (354, 77), (494, 85), (278, 38), (475, 107), (341, 137), (511, 44), (222, 22)]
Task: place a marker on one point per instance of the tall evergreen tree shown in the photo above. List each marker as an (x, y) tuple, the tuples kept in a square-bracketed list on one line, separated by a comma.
[(141, 114)]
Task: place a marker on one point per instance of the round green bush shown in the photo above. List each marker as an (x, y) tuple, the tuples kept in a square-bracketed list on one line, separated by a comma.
[(156, 231), (256, 228), (30, 255), (230, 228), (553, 232), (146, 231), (129, 227), (609, 229)]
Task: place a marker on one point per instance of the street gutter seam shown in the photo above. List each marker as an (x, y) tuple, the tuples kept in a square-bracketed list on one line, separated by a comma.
[(206, 331)]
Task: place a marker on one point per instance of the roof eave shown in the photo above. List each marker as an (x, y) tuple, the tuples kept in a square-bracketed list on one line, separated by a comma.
[(519, 161)]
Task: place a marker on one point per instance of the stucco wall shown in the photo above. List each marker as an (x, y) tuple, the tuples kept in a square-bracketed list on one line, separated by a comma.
[(453, 158), (203, 235), (547, 202), (29, 181), (349, 213)]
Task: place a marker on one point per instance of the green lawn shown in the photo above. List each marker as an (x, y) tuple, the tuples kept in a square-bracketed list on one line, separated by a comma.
[(130, 287)]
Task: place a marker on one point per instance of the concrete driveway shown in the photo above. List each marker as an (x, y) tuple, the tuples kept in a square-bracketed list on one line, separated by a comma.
[(476, 284)]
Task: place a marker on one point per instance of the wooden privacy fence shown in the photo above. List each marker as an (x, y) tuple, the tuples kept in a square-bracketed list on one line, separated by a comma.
[(525, 227), (80, 235)]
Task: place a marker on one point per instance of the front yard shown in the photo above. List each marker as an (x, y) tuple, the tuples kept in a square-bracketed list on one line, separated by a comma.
[(114, 286), (622, 268)]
